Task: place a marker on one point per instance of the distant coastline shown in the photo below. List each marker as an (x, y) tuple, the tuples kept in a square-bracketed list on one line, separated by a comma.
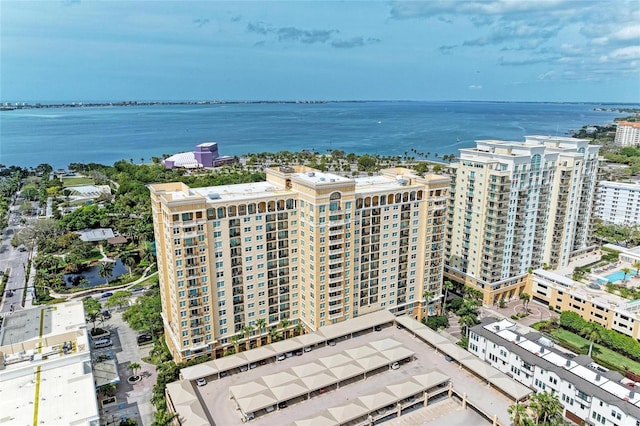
[(11, 106), (7, 106)]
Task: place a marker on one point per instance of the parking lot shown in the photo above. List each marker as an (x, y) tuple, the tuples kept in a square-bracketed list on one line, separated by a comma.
[(133, 400), (222, 409)]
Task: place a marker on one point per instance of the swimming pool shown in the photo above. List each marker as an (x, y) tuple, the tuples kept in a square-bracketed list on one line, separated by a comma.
[(619, 276)]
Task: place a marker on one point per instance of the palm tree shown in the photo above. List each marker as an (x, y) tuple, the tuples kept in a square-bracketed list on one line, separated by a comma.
[(261, 325), (162, 417), (299, 328), (246, 330), (235, 341), (273, 335), (129, 260), (467, 321), (625, 271), (519, 415), (525, 297), (108, 390), (134, 367), (546, 407), (284, 324), (592, 332), (447, 285), (105, 271)]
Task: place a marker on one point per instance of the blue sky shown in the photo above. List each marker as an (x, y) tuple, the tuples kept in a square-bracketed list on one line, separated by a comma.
[(553, 50)]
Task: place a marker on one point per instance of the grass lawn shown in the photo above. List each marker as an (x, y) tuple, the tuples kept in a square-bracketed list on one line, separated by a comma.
[(75, 181), (608, 357)]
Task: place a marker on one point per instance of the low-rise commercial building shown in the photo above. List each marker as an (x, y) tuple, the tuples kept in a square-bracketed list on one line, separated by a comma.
[(45, 374), (588, 392)]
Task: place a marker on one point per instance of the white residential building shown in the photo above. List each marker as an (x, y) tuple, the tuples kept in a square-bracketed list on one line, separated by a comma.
[(589, 393), (627, 134), (618, 203), (517, 205)]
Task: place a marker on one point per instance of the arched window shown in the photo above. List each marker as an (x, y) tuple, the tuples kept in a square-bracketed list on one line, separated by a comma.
[(535, 162)]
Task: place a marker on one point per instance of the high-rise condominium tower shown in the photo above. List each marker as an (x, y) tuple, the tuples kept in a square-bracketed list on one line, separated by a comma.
[(305, 246), (518, 205)]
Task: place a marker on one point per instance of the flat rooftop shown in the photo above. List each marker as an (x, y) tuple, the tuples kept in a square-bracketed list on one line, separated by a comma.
[(46, 376), (65, 396)]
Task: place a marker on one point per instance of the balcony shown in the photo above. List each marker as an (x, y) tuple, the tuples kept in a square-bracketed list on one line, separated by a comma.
[(335, 288), (336, 280), (335, 298), (336, 316)]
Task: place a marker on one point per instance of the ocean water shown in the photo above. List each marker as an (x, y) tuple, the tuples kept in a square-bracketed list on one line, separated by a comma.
[(60, 136)]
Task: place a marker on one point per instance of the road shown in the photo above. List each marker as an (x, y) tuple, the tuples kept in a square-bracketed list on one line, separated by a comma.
[(13, 261)]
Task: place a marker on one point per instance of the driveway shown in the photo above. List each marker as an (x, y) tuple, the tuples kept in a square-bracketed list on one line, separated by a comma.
[(133, 400)]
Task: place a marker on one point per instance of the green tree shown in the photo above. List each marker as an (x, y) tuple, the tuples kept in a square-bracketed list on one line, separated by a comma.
[(274, 336), (299, 328), (261, 324), (427, 296), (145, 314), (162, 417), (447, 285), (119, 299), (467, 321), (246, 330), (436, 322), (592, 332), (518, 414), (525, 297), (129, 259), (235, 341), (284, 324), (547, 408), (108, 390), (134, 367), (636, 265), (105, 271), (626, 272), (93, 309)]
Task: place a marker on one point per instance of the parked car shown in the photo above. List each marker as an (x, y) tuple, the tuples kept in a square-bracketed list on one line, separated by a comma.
[(280, 357), (283, 404), (270, 409), (106, 314), (102, 343), (395, 365), (107, 294), (299, 352), (201, 381), (377, 328), (448, 358), (144, 338), (307, 349), (243, 368), (249, 416), (331, 342), (289, 354)]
